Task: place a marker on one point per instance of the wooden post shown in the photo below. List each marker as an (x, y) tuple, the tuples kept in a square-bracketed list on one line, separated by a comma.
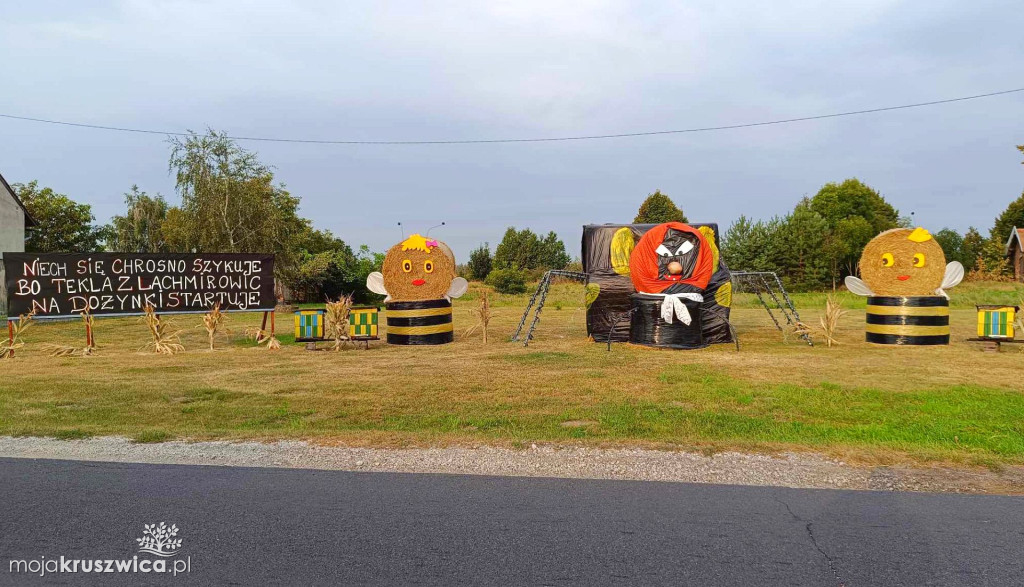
[(264, 326), (88, 335), (272, 312), (10, 334)]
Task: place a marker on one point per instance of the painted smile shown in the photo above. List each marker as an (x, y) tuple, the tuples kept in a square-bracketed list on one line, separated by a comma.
[(418, 281), (903, 277)]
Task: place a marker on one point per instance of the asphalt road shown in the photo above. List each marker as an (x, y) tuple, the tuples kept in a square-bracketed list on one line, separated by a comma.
[(299, 527)]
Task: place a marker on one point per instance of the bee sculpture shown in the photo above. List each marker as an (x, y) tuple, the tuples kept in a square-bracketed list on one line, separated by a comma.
[(905, 276), (419, 282)]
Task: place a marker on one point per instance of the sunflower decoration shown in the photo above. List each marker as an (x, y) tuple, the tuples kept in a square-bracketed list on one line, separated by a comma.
[(418, 269), (905, 263)]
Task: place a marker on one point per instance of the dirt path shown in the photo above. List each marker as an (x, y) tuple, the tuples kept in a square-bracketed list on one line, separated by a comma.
[(805, 470)]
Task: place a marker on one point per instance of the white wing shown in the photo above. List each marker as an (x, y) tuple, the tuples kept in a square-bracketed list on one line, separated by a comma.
[(954, 274), (375, 283), (855, 285), (458, 288)]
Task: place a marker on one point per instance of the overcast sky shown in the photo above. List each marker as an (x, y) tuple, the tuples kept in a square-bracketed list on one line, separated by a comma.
[(519, 69)]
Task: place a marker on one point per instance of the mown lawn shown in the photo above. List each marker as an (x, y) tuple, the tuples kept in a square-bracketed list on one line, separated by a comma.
[(951, 404)]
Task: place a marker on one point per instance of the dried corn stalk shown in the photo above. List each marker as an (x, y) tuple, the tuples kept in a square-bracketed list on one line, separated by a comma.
[(830, 319), (165, 341), (213, 322), (14, 340), (483, 313), (64, 350), (337, 319), (262, 338)]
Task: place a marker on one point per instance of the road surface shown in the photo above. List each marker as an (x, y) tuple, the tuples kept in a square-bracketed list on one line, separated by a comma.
[(248, 526)]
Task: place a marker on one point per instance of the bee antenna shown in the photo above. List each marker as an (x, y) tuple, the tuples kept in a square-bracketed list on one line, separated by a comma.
[(433, 227)]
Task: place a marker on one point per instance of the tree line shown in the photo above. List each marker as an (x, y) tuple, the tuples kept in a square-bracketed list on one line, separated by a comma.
[(230, 202)]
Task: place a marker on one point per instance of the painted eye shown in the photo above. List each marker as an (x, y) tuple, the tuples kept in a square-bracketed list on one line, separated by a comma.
[(887, 260), (407, 266), (919, 260), (663, 251), (428, 266), (685, 248)]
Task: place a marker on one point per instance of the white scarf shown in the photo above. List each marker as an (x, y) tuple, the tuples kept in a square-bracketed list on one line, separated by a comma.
[(673, 305)]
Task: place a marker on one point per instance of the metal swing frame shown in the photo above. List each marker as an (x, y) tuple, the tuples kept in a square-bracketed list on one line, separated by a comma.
[(538, 297), (762, 283)]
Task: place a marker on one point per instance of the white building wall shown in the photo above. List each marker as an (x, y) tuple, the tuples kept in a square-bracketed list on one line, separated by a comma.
[(12, 234)]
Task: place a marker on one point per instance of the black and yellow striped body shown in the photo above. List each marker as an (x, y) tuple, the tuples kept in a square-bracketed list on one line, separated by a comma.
[(423, 322), (912, 321)]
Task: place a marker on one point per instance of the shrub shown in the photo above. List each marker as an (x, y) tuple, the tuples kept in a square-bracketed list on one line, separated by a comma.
[(507, 281), (480, 262)]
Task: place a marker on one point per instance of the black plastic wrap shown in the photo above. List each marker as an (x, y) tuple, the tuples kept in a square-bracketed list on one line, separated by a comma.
[(646, 326), (426, 322), (613, 299)]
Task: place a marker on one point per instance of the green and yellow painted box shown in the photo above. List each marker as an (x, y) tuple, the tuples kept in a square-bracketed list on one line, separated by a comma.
[(996, 322), (310, 325), (362, 323)]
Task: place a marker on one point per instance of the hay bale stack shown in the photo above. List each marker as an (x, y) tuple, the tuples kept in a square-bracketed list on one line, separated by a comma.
[(908, 321)]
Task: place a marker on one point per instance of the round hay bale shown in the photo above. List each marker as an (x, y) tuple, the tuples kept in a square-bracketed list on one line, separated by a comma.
[(903, 262), (418, 269), (908, 321), (425, 322), (646, 326)]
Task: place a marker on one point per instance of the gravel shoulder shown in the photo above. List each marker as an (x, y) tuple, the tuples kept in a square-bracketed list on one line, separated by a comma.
[(800, 470)]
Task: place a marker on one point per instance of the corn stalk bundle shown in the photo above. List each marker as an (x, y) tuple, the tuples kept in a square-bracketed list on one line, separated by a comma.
[(262, 338), (337, 319), (12, 343), (830, 319), (483, 313), (213, 322), (64, 350), (165, 341)]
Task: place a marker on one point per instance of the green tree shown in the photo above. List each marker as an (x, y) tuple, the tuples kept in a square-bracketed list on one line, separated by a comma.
[(972, 249), (62, 225), (552, 253), (140, 230), (854, 213), (480, 262), (230, 203), (518, 249), (805, 262), (952, 244), (1012, 216), (658, 208)]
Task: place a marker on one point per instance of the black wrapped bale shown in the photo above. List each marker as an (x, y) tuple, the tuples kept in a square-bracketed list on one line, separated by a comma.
[(908, 321), (647, 327), (613, 299), (420, 323)]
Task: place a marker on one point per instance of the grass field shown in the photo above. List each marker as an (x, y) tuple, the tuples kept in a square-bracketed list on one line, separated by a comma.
[(954, 404)]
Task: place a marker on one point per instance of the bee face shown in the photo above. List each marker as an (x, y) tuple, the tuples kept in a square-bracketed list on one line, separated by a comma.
[(895, 264), (414, 274)]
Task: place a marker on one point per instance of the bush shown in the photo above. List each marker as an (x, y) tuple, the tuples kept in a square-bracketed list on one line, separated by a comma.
[(507, 281)]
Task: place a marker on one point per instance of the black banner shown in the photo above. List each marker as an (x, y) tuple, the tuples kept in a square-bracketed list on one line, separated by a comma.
[(63, 284)]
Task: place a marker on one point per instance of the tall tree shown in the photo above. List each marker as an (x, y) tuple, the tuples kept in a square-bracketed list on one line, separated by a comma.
[(140, 230), (552, 252), (62, 225), (480, 262), (658, 208), (972, 249), (230, 203), (854, 213), (1012, 216)]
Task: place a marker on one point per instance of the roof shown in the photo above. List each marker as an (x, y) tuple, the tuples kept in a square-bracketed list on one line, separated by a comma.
[(1017, 233), (28, 217)]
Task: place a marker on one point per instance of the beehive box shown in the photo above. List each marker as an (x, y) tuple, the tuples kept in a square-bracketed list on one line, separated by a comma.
[(996, 322), (362, 323), (310, 325)]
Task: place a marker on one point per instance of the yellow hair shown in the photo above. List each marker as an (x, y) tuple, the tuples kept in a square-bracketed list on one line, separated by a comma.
[(920, 235), (415, 242)]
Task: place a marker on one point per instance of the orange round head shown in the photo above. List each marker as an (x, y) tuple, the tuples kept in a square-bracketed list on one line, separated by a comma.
[(418, 269), (903, 262)]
